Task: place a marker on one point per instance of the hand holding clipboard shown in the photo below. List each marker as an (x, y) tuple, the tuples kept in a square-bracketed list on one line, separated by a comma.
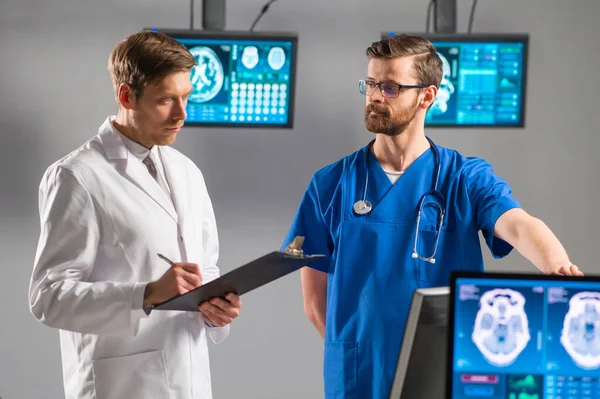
[(245, 278)]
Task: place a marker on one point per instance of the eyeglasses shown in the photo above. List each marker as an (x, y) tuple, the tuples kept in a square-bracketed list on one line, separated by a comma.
[(388, 89)]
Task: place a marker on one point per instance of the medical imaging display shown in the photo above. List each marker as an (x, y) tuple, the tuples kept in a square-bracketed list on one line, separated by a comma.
[(484, 80), (497, 328), (574, 331), (501, 326), (524, 339), (240, 79)]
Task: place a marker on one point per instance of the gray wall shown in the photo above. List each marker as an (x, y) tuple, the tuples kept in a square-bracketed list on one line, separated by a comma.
[(55, 92)]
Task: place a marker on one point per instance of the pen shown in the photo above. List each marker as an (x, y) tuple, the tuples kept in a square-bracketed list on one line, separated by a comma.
[(169, 261)]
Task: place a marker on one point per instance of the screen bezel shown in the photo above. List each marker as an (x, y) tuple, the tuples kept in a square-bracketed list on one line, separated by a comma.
[(482, 38), (244, 35), (455, 275)]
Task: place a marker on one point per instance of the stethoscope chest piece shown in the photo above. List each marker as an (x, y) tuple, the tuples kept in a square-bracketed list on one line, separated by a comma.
[(362, 207)]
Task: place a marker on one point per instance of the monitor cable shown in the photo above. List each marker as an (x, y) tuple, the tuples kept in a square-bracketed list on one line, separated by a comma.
[(471, 17), (263, 11)]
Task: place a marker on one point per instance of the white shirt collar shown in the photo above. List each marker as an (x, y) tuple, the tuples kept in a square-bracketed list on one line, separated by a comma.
[(138, 150)]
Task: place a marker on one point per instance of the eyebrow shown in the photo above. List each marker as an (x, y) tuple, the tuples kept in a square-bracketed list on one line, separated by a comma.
[(172, 94), (383, 81)]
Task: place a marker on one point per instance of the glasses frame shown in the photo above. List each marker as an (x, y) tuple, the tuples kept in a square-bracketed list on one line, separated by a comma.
[(399, 86)]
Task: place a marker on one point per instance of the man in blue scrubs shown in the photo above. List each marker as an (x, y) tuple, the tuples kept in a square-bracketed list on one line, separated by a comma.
[(362, 213)]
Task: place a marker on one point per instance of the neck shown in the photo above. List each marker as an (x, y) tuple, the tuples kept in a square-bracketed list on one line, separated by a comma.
[(397, 153), (123, 124)]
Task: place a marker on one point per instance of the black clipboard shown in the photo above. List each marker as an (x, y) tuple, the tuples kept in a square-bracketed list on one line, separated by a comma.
[(245, 278)]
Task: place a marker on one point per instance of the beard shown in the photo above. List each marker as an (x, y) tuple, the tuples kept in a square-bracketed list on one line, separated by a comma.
[(384, 123)]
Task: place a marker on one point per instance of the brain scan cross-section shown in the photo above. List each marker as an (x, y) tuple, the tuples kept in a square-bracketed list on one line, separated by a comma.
[(501, 329), (207, 76), (581, 330), (250, 57), (276, 58)]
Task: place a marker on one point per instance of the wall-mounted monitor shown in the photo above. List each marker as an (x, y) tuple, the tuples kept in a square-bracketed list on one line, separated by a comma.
[(484, 82), (241, 79)]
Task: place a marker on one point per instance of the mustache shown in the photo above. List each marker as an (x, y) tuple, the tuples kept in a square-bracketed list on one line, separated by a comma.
[(380, 109)]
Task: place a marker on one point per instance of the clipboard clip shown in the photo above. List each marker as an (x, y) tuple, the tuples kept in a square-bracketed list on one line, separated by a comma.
[(295, 247)]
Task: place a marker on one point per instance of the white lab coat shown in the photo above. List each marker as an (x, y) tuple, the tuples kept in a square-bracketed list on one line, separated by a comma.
[(103, 221)]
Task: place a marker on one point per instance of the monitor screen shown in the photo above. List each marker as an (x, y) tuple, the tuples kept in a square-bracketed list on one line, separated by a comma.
[(242, 79), (524, 336), (484, 81)]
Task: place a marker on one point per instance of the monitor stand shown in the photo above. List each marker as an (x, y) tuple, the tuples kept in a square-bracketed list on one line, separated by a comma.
[(421, 368), (426, 373)]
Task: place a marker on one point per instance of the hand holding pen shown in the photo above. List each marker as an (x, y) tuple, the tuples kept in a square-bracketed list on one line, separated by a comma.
[(218, 312), (180, 278)]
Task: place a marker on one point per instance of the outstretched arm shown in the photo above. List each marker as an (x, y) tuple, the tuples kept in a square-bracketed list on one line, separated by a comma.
[(535, 241)]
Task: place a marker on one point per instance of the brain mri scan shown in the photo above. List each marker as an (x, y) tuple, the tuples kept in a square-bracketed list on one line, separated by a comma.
[(501, 329), (581, 330), (440, 105), (250, 57), (207, 76), (276, 58)]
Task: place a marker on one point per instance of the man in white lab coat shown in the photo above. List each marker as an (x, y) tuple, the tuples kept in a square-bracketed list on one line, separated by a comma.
[(106, 210)]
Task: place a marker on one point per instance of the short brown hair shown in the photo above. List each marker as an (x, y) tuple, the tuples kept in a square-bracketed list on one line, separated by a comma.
[(145, 58), (427, 64)]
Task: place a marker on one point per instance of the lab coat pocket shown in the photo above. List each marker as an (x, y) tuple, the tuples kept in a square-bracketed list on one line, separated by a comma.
[(141, 375), (340, 369), (447, 254)]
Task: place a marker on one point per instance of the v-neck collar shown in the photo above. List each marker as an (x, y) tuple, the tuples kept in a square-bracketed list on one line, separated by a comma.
[(380, 184)]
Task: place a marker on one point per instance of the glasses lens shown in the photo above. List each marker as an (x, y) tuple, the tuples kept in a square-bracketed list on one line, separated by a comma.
[(390, 90), (363, 87)]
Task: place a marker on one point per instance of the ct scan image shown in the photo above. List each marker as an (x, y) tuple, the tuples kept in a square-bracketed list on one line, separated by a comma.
[(497, 329), (501, 330), (207, 76), (574, 331)]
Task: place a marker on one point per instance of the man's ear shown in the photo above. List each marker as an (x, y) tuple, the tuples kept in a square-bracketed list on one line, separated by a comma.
[(125, 96), (430, 93)]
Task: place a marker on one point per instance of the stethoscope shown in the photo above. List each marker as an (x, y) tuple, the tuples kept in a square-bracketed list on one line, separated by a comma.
[(363, 207)]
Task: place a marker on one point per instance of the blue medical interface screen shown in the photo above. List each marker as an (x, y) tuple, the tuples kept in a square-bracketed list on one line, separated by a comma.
[(241, 82), (526, 339), (483, 84)]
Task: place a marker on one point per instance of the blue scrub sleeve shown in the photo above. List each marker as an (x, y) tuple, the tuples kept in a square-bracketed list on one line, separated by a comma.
[(490, 197), (310, 224)]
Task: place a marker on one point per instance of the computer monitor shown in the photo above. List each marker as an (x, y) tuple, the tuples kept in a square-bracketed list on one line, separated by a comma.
[(484, 82), (514, 336), (242, 79), (421, 367)]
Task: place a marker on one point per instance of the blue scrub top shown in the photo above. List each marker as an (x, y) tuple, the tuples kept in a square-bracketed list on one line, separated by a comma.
[(371, 274)]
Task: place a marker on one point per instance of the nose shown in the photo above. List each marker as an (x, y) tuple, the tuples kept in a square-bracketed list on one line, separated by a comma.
[(179, 110), (375, 96)]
